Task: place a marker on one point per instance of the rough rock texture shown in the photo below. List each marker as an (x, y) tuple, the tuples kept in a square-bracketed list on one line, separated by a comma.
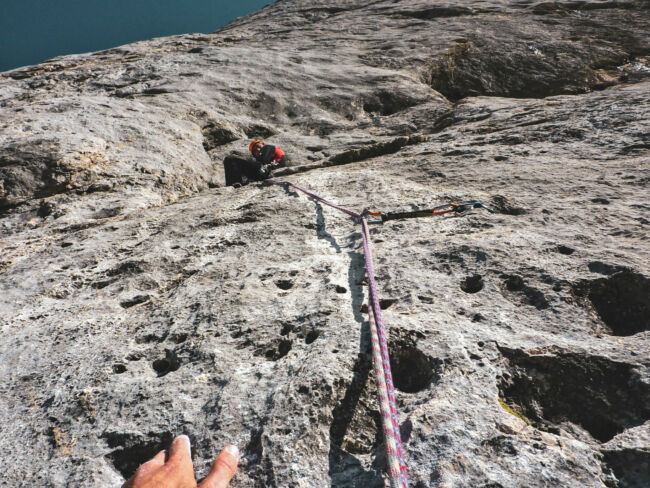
[(141, 299)]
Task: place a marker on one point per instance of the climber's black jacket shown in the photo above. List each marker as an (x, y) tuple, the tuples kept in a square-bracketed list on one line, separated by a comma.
[(272, 155)]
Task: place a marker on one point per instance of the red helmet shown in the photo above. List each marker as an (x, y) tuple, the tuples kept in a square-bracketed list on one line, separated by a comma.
[(254, 144)]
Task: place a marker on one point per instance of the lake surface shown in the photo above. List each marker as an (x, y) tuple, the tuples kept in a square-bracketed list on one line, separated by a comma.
[(32, 31)]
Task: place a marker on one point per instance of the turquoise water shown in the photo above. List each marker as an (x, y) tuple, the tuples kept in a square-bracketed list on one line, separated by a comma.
[(32, 31)]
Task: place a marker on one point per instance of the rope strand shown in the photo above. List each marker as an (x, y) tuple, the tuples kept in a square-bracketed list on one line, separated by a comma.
[(383, 347)]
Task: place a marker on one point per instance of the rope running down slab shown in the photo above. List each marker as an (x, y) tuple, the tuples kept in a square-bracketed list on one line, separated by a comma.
[(381, 361)]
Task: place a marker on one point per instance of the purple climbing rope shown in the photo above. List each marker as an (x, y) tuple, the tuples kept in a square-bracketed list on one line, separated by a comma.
[(381, 361), (352, 214), (394, 468), (383, 347)]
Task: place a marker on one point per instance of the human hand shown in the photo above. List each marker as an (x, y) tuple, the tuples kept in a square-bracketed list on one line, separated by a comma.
[(175, 469)]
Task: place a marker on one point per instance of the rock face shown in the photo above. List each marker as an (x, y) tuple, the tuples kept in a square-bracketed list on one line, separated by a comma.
[(142, 299)]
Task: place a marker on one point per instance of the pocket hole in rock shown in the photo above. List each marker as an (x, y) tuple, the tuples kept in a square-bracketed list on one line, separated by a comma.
[(530, 295), (602, 201), (282, 349), (567, 251), (383, 304), (98, 285), (506, 206), (284, 284), (515, 283), (341, 289), (45, 209), (386, 303), (472, 284), (286, 329), (412, 371), (119, 368), (312, 335), (180, 338), (622, 301), (167, 364), (134, 301), (602, 396), (131, 450)]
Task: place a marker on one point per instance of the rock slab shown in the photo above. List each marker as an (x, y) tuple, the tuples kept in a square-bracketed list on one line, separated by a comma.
[(143, 299)]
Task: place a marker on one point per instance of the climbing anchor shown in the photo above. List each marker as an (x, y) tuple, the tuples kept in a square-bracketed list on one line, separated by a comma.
[(397, 470), (459, 209)]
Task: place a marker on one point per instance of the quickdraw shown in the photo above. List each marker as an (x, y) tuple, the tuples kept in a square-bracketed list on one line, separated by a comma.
[(459, 209)]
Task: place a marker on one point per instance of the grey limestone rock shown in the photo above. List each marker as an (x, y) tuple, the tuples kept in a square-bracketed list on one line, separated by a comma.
[(143, 299)]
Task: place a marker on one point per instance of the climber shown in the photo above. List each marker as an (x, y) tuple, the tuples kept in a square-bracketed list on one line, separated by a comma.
[(174, 469), (265, 158), (269, 156)]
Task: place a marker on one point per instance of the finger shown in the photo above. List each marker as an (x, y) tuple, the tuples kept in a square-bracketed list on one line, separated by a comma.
[(180, 451), (178, 470), (154, 463), (223, 469)]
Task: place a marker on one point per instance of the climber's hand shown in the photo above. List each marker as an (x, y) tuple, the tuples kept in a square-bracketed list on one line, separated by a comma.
[(175, 470)]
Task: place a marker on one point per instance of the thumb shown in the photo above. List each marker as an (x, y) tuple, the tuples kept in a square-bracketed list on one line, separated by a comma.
[(223, 469)]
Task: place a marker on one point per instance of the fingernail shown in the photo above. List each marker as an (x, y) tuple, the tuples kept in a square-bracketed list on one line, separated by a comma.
[(232, 450), (186, 439)]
